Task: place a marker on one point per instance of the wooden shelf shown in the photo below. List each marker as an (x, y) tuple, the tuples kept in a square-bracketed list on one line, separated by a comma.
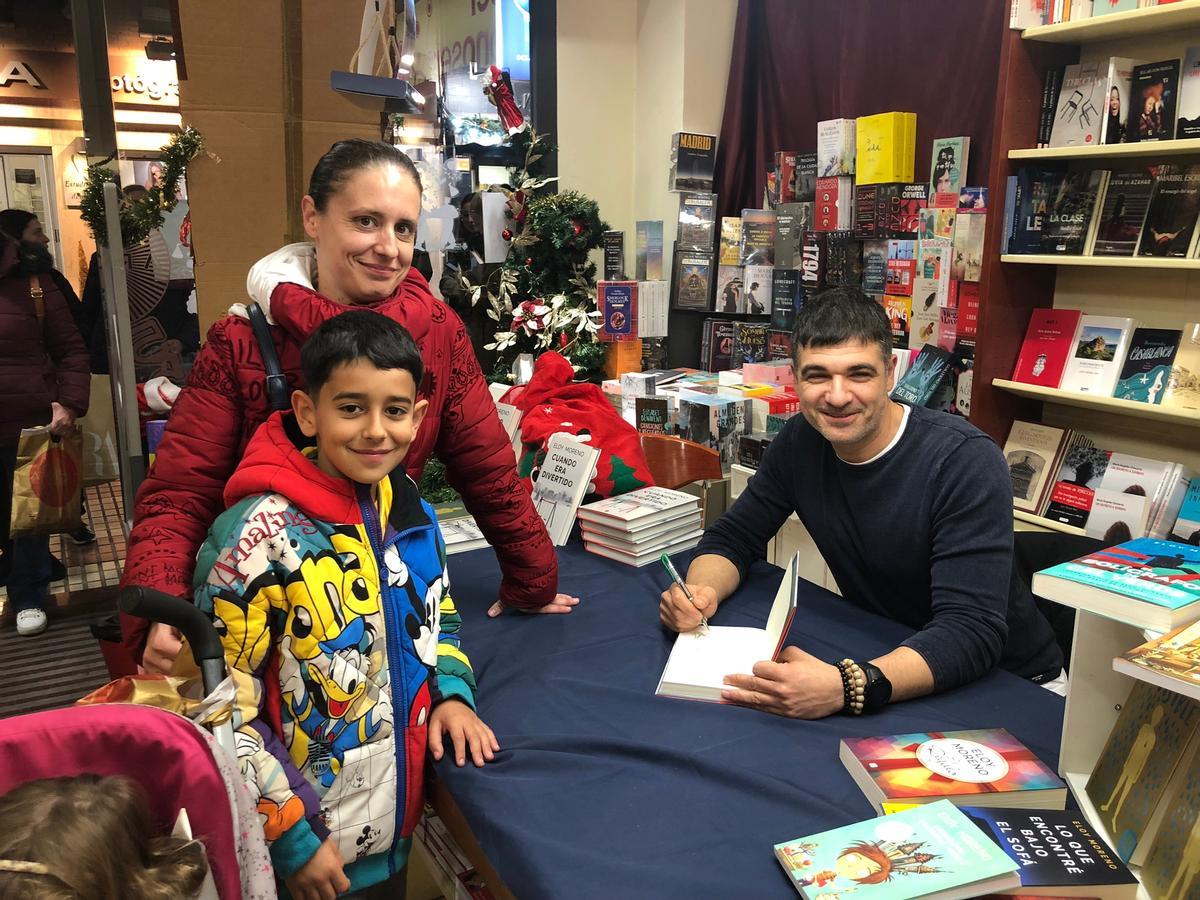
[(1152, 20), (1114, 262), (1170, 414), (1158, 679), (1048, 524), (1149, 149)]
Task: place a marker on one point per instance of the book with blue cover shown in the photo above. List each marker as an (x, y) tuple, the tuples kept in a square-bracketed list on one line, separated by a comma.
[(927, 851)]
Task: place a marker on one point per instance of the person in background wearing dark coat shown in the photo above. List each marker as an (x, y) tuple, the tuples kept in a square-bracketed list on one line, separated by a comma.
[(44, 378), (35, 254)]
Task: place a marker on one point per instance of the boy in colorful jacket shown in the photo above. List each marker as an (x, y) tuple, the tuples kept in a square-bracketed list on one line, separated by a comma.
[(326, 575)]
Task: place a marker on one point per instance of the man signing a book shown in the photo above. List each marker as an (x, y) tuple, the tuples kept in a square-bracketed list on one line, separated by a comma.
[(912, 511)]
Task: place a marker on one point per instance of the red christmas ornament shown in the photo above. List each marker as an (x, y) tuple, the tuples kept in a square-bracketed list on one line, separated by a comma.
[(578, 226), (506, 234), (529, 260), (562, 339)]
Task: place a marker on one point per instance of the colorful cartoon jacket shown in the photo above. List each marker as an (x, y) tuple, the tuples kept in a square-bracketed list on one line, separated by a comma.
[(345, 597)]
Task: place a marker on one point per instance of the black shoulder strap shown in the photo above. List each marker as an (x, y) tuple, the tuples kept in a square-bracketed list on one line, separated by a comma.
[(277, 392)]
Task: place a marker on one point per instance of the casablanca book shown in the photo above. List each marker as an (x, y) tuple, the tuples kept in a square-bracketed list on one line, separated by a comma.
[(1048, 343), (1171, 662), (932, 851), (1183, 385), (1126, 200), (985, 765), (1058, 851), (1149, 582), (1155, 88), (1147, 365), (1171, 219), (1134, 770), (693, 159), (1172, 866), (1032, 453), (562, 482), (1095, 362), (700, 659)]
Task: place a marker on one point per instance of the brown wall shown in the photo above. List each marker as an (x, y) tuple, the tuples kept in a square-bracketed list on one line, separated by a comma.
[(263, 120)]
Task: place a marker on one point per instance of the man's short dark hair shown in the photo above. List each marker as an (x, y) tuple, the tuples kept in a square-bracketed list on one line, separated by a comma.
[(354, 335), (841, 315)]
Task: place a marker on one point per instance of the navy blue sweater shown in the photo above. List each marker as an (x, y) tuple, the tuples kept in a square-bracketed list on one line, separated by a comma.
[(922, 535)]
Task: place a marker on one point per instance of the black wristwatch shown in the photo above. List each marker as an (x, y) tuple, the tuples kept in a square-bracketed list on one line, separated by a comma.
[(877, 691)]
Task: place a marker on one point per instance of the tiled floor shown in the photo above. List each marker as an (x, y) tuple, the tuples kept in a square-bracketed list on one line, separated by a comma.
[(96, 568)]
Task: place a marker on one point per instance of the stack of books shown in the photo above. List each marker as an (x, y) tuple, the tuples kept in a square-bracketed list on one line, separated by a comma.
[(638, 527)]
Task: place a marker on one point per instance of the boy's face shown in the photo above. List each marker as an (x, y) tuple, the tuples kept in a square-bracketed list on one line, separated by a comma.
[(364, 420)]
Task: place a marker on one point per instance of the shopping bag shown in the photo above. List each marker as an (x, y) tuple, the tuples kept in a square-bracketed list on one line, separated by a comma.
[(99, 435), (46, 483)]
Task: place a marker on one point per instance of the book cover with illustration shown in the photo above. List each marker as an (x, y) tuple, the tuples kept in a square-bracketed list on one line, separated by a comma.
[(987, 765), (1069, 213), (641, 507), (562, 482), (1095, 362), (835, 147), (729, 290), (874, 257), (1126, 201), (1183, 386), (924, 314), (756, 290), (1189, 96), (785, 176), (1103, 7), (948, 165), (1115, 129), (749, 342), (787, 298), (1186, 529), (1138, 759), (899, 311), (843, 259), (898, 209), (697, 211), (618, 305), (937, 223), (813, 257), (1147, 365), (834, 206), (1057, 852), (912, 853), (1049, 341), (866, 211), (1032, 452), (1164, 573), (1075, 485), (730, 252), (1171, 661), (1153, 96), (806, 177), (1031, 201), (1116, 516), (648, 265), (1172, 867), (969, 230), (924, 377), (791, 221), (1082, 103), (693, 160), (652, 415), (885, 149), (758, 237), (693, 280), (1171, 218)]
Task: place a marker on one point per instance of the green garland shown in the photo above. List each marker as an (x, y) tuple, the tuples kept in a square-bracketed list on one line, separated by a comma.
[(139, 218)]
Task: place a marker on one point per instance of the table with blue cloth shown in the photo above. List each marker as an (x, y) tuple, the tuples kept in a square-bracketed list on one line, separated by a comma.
[(601, 789)]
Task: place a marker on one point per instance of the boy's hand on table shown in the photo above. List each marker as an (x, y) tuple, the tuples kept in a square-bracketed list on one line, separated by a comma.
[(322, 877), (562, 603), (467, 732)]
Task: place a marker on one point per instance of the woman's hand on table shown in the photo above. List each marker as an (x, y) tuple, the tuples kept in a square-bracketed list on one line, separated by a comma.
[(799, 685), (562, 603)]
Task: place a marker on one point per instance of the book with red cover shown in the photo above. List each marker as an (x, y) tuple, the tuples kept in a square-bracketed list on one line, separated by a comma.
[(1048, 343), (968, 768)]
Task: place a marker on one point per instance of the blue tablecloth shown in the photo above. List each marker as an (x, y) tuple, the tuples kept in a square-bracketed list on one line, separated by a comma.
[(604, 790)]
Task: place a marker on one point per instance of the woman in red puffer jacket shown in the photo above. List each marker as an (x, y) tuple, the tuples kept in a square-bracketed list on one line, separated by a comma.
[(44, 379), (361, 212)]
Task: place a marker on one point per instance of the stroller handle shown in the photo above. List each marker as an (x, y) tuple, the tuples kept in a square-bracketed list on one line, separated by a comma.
[(201, 634)]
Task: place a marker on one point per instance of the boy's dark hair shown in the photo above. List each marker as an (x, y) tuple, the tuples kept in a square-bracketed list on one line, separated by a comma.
[(841, 315), (345, 158), (354, 335)]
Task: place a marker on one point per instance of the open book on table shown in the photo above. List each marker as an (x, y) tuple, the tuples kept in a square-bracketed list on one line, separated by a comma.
[(701, 659)]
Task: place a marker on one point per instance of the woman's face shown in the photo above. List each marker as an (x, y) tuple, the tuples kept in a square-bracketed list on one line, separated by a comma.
[(364, 236), (34, 233), (1114, 102)]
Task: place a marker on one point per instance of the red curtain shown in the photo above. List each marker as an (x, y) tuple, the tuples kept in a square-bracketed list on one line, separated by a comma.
[(798, 62)]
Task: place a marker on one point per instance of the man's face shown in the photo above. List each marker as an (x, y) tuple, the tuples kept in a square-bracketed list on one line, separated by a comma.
[(843, 392)]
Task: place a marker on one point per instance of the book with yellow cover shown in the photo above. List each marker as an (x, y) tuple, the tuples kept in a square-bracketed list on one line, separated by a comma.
[(885, 147), (1171, 661)]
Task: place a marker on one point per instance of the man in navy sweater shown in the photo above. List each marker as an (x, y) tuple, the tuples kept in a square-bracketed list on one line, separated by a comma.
[(912, 511)]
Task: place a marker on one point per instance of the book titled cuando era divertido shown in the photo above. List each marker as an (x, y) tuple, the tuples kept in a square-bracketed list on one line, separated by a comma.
[(1058, 851), (562, 482), (963, 767), (1152, 582), (701, 659), (932, 851), (1147, 366), (1049, 341)]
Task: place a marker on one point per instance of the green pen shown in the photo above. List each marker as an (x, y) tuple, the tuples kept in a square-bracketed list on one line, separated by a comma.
[(670, 567)]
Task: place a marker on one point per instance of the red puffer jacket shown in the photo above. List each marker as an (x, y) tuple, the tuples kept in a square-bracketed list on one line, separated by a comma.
[(40, 362), (225, 401)]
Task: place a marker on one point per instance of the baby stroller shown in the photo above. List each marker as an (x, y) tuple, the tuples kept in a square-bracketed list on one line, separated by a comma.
[(171, 757)]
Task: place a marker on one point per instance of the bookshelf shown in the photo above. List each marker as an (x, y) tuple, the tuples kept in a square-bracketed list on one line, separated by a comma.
[(1104, 262), (1170, 414), (1154, 20), (1151, 150)]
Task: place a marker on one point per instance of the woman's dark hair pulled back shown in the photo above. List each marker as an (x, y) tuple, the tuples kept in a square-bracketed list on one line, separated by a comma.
[(345, 158)]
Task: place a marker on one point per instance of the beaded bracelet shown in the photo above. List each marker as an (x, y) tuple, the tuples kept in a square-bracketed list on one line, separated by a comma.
[(853, 684)]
